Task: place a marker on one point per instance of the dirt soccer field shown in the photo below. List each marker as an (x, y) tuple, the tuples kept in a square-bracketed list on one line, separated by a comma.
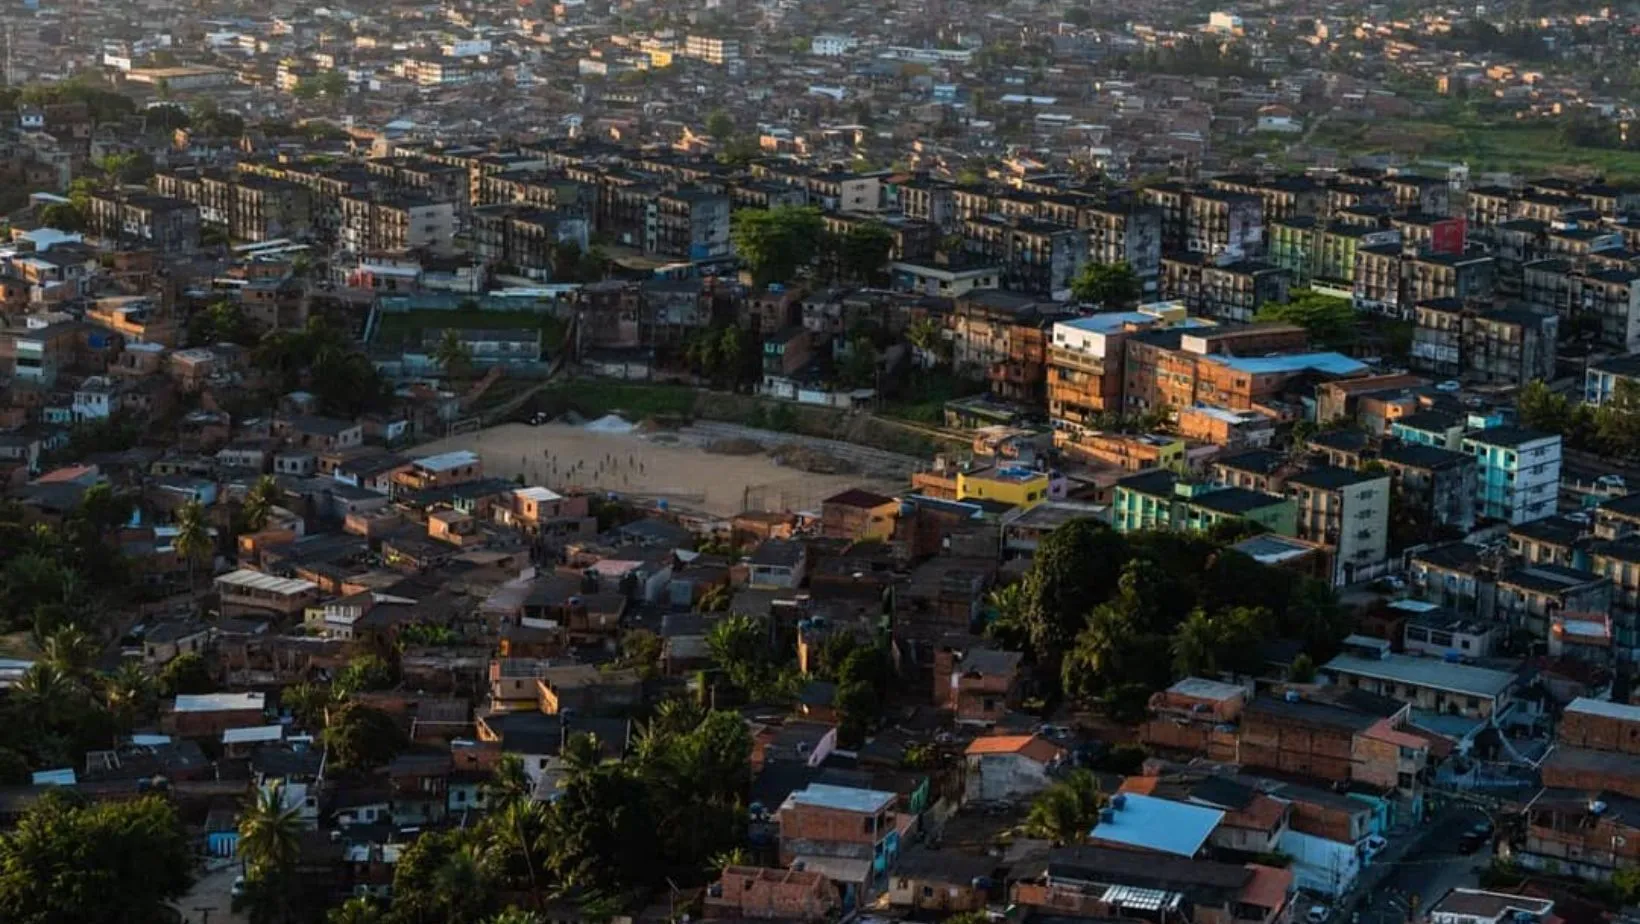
[(650, 466)]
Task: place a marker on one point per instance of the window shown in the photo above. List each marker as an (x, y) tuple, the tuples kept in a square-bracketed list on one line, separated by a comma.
[(865, 825)]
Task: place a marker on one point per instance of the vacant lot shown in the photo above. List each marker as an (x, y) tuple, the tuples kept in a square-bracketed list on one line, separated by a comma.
[(650, 466)]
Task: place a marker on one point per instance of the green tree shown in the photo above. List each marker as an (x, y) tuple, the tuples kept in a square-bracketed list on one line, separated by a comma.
[(739, 645), (776, 243), (362, 737), (641, 650), (1542, 408), (306, 89), (71, 651), (440, 879), (193, 539), (1072, 571), (1302, 670), (270, 834), (186, 675), (333, 84), (358, 910), (863, 251), (606, 831), (128, 694), (64, 216), (453, 356), (1109, 285), (364, 673), (1066, 812), (720, 125), (260, 502), (307, 703), (508, 783), (1330, 321), (102, 863)]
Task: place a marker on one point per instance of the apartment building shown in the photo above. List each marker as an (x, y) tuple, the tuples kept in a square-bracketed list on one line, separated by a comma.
[(1440, 482), (1123, 230), (1447, 275), (1163, 500), (1085, 364), (712, 49), (1292, 246), (159, 222), (1602, 379), (523, 238), (688, 224), (1509, 346), (1347, 513), (1519, 473), (1228, 367), (1224, 223), (1037, 258), (396, 222)]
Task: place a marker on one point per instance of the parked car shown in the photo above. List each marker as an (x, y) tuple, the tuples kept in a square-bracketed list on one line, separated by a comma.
[(1318, 914), (1475, 838), (1374, 845)]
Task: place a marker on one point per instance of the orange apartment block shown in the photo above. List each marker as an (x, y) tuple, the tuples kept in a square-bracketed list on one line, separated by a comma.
[(1209, 366), (757, 893)]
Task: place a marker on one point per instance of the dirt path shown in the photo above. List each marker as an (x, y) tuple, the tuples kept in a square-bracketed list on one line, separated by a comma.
[(651, 466)]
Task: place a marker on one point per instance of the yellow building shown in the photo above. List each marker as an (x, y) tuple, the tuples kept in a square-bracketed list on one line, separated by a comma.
[(1004, 484)]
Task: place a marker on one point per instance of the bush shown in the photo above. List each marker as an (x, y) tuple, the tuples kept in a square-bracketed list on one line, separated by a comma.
[(1127, 760)]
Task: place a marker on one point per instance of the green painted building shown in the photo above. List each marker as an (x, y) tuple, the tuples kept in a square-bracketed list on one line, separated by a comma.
[(1161, 500)]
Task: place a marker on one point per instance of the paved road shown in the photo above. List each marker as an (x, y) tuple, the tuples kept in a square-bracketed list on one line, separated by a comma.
[(1427, 871)]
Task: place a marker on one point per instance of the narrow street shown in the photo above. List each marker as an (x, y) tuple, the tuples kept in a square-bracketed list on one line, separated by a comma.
[(1425, 872)]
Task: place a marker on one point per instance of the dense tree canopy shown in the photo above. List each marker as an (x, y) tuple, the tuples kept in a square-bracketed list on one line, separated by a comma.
[(109, 863), (776, 243), (1330, 321), (1108, 285), (1114, 617)]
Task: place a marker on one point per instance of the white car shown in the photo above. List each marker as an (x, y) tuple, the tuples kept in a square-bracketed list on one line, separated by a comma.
[(1449, 386), (1374, 845), (1318, 914), (237, 890)]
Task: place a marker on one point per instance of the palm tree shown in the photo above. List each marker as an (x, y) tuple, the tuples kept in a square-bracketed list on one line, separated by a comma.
[(582, 753), (71, 651), (1067, 811), (269, 834), (509, 784), (307, 703), (44, 691), (363, 910), (193, 540), (452, 355), (260, 501), (1196, 645), (128, 692)]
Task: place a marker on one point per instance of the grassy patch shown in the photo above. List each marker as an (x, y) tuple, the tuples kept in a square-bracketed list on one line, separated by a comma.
[(923, 398), (1526, 147), (406, 328), (593, 398)]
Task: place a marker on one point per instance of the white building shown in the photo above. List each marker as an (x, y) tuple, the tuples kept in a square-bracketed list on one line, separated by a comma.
[(1348, 512), (711, 49), (831, 45), (1518, 477), (97, 398)]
